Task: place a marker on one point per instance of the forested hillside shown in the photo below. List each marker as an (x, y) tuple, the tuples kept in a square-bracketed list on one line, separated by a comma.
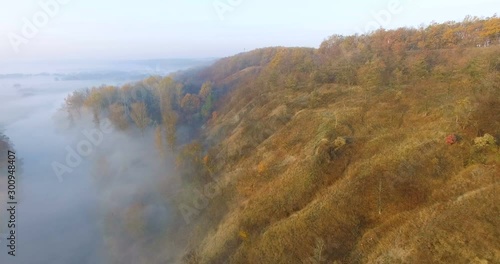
[(376, 148)]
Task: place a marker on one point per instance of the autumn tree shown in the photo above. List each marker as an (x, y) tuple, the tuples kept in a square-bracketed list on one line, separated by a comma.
[(109, 95), (73, 104), (95, 103), (418, 68), (168, 91), (190, 103), (372, 73), (159, 141), (152, 81), (140, 116), (491, 30), (170, 120), (118, 116), (206, 90)]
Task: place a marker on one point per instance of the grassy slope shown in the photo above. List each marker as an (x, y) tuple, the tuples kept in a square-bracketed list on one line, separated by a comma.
[(395, 193)]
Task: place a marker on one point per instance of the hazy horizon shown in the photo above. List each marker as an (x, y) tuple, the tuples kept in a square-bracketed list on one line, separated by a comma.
[(202, 29), (148, 67)]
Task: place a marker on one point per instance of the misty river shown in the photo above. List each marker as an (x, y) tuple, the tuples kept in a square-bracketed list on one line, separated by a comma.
[(60, 221)]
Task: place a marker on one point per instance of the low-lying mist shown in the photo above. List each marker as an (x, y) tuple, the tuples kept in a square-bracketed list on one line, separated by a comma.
[(110, 204)]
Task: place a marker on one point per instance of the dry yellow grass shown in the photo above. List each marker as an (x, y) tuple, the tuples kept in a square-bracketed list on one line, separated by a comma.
[(394, 193)]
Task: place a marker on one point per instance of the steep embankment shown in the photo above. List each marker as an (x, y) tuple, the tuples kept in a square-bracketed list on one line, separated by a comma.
[(381, 163)]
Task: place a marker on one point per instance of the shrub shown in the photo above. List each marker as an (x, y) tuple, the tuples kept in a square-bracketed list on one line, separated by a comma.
[(451, 139), (486, 140), (319, 253), (243, 235), (339, 142)]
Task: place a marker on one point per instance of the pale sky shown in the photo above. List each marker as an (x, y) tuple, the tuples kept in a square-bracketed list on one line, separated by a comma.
[(153, 29)]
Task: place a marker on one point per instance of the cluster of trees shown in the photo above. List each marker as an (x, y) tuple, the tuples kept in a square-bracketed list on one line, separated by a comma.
[(158, 102), (404, 55), (382, 58)]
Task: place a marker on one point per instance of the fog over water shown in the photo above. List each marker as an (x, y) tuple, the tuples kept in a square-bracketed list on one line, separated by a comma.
[(62, 221)]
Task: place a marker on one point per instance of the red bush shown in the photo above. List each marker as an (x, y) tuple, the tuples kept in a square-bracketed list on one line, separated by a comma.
[(451, 139)]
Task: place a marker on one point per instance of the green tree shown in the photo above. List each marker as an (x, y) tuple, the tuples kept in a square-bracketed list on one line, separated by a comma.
[(206, 90), (206, 109)]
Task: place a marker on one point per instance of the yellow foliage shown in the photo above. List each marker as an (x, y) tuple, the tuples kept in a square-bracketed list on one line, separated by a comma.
[(159, 141), (243, 235), (339, 142), (262, 167), (486, 140)]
